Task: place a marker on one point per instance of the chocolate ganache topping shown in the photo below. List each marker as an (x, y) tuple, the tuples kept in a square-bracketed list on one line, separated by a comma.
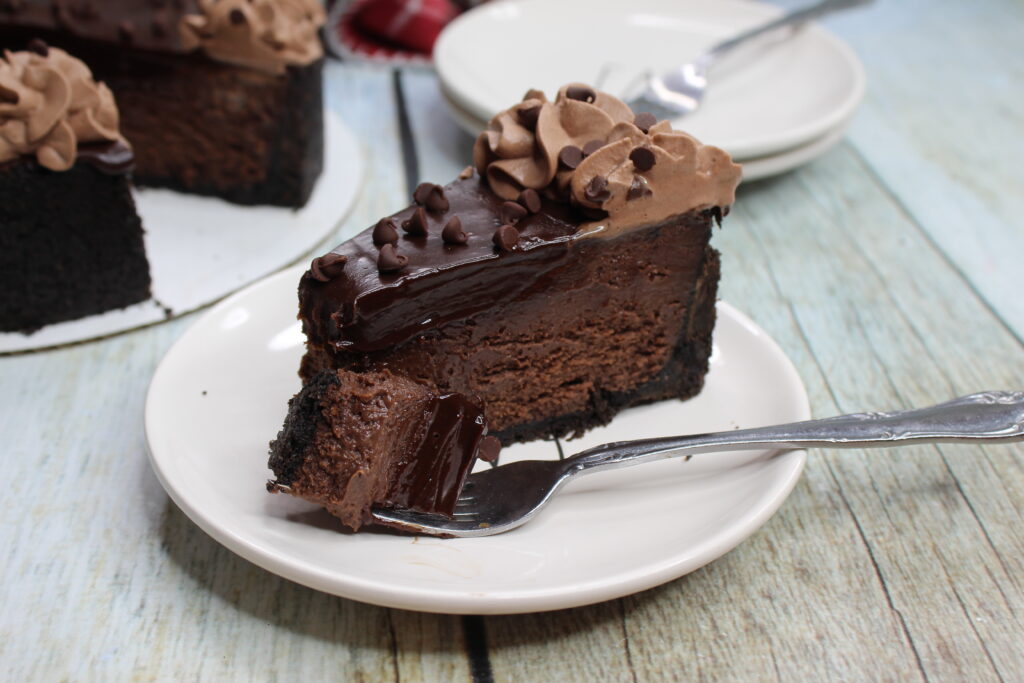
[(52, 108), (267, 35), (589, 148), (551, 177)]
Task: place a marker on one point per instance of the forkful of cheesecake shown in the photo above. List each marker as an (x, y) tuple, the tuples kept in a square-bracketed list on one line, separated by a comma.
[(504, 498)]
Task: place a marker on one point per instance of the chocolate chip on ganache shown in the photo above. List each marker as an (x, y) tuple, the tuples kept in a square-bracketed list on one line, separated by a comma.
[(416, 224), (644, 120), (511, 212), (597, 189), (236, 16), (453, 232), (327, 267), (530, 199), (506, 237), (126, 31), (592, 147), (570, 156), (642, 158), (581, 93), (489, 448), (389, 260), (528, 115), (385, 232), (430, 196), (39, 47), (638, 188)]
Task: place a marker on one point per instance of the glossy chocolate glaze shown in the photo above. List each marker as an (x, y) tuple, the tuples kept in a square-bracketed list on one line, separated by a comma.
[(142, 24), (431, 476), (365, 310), (112, 158)]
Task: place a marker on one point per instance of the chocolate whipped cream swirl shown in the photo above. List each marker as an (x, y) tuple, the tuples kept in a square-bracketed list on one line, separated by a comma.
[(49, 105), (588, 148), (268, 35)]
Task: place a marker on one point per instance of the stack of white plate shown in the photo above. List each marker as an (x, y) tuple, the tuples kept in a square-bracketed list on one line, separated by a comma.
[(774, 107)]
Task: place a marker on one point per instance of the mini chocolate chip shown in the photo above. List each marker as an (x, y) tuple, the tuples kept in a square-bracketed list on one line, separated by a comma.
[(489, 449), (511, 212), (530, 199), (466, 173), (419, 195), (592, 147), (597, 189), (126, 31), (642, 158), (506, 237), (638, 188), (581, 93), (327, 267), (453, 232), (159, 27), (644, 120), (389, 260), (528, 116), (385, 232), (431, 196), (416, 224), (236, 16), (39, 47), (570, 156), (436, 201)]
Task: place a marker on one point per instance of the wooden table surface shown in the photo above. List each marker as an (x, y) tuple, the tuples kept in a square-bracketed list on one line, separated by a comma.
[(890, 270)]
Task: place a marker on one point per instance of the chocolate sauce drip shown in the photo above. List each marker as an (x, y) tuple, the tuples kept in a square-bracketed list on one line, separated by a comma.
[(431, 475)]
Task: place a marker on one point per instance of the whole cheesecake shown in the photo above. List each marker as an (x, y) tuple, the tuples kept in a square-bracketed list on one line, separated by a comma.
[(219, 97), (564, 277)]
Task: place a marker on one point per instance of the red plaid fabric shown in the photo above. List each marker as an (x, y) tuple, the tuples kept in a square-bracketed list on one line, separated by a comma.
[(390, 30)]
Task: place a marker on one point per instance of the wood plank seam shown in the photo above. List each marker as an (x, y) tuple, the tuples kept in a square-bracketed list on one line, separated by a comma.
[(625, 631), (969, 617), (941, 373), (410, 157), (832, 473)]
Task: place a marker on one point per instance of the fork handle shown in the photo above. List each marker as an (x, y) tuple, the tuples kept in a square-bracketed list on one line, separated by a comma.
[(986, 416), (797, 16)]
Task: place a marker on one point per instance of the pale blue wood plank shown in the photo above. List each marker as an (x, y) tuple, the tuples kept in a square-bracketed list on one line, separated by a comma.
[(941, 126)]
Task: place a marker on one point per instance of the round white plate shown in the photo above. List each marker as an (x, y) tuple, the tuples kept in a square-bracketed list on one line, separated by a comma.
[(753, 169), (201, 249), (773, 97), (220, 395), (775, 164)]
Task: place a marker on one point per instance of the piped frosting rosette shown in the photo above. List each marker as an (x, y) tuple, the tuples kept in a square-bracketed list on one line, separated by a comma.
[(590, 149), (268, 35), (49, 105)]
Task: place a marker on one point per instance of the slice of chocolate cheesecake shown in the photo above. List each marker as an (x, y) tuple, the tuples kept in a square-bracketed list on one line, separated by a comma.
[(567, 276)]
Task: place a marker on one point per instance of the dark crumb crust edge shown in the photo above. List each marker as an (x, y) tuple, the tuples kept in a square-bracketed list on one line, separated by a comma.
[(291, 448), (682, 377)]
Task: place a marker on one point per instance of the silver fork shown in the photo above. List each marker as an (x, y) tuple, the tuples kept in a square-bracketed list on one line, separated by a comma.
[(680, 91), (506, 497)]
